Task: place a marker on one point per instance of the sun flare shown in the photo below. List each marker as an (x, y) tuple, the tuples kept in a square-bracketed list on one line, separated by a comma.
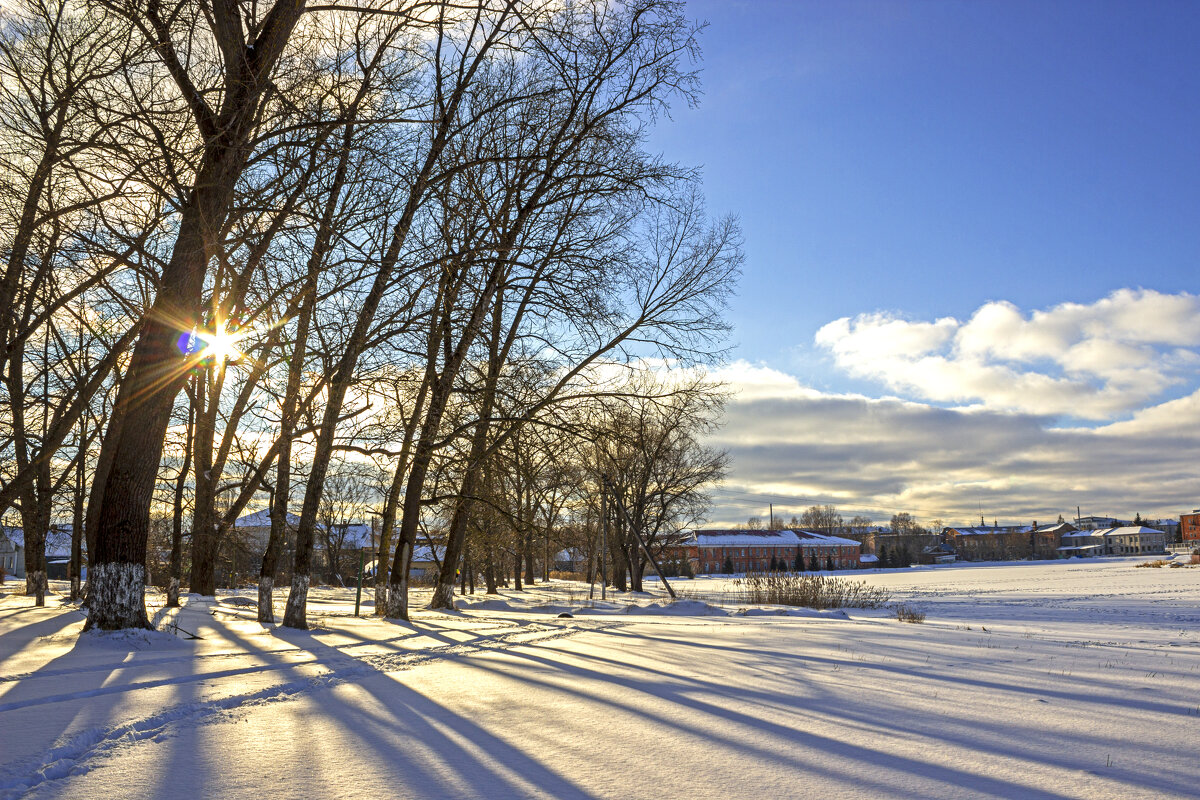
[(222, 343)]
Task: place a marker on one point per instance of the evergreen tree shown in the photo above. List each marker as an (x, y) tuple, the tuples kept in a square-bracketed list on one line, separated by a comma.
[(829, 563), (885, 557), (798, 564), (727, 568), (813, 564)]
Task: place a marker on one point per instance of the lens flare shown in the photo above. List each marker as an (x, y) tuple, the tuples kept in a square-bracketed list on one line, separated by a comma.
[(221, 344), (217, 345)]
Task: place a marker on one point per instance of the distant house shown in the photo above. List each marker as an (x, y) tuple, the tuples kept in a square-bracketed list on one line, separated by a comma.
[(570, 560), (712, 551), (1189, 526), (1170, 527), (1094, 523), (58, 551), (12, 551), (937, 554), (990, 542), (1123, 541), (1048, 538), (256, 528)]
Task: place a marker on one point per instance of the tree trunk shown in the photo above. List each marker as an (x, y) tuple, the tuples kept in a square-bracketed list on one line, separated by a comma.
[(156, 369), (35, 519), (77, 524), (530, 567), (489, 572), (177, 514)]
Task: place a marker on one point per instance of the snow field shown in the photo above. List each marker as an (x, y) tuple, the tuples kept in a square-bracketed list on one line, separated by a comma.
[(1062, 679)]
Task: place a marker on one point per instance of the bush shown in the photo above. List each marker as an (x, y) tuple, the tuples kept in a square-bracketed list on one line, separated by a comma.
[(810, 591), (906, 613), (1152, 564), (559, 575)]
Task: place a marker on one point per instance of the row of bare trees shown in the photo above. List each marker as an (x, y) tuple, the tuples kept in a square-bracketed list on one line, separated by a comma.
[(246, 241)]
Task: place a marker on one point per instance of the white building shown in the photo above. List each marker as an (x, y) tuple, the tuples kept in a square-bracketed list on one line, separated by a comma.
[(1127, 540)]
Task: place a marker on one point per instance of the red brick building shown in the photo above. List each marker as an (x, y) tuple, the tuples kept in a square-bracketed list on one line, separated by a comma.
[(1189, 526), (761, 551)]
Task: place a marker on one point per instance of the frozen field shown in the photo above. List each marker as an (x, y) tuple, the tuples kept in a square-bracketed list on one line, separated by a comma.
[(1053, 680)]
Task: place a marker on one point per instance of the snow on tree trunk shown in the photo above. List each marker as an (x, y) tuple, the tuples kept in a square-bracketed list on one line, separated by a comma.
[(381, 592), (443, 596), (116, 592), (266, 600), (37, 580), (294, 616), (173, 592), (397, 600)]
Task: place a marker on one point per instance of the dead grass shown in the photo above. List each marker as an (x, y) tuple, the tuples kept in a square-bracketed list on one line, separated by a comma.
[(1153, 564), (567, 576), (906, 613), (810, 591)]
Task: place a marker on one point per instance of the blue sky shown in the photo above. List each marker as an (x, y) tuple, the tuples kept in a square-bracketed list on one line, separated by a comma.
[(981, 163)]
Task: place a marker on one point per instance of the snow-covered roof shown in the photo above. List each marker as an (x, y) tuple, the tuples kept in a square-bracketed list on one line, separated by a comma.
[(991, 530), (1128, 530), (262, 519), (740, 538), (422, 553), (357, 535), (58, 539), (14, 535)]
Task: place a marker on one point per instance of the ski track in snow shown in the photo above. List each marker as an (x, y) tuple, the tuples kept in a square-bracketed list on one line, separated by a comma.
[(76, 755)]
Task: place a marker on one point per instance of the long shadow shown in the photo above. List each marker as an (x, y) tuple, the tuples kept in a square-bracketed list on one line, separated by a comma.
[(401, 722), (831, 706), (762, 730), (1106, 701), (425, 717), (28, 743)]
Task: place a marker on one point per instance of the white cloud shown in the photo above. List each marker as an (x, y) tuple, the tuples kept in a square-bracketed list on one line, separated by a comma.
[(1093, 361), (883, 455)]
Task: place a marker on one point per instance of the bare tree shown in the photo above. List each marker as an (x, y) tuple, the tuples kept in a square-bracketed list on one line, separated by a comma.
[(823, 518)]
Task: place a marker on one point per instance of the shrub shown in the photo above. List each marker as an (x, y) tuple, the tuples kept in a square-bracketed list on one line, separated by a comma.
[(810, 591), (906, 613), (1152, 564), (559, 575), (3, 576)]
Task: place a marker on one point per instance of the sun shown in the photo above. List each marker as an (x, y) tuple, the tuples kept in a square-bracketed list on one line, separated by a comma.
[(222, 343)]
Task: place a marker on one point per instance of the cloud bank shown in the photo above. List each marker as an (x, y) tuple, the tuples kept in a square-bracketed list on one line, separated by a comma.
[(1024, 415)]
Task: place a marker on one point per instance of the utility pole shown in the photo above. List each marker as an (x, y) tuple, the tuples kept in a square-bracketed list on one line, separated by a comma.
[(358, 594), (771, 513)]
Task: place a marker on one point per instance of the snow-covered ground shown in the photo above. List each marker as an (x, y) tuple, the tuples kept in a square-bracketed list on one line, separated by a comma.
[(1063, 679)]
